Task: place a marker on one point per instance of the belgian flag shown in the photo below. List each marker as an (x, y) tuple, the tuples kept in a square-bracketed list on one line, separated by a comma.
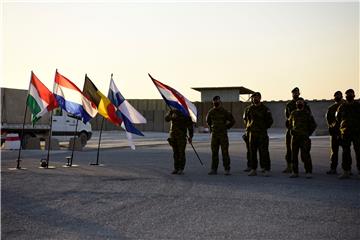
[(103, 104)]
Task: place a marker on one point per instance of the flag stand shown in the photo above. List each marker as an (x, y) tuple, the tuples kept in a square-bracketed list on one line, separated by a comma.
[(70, 158), (98, 150)]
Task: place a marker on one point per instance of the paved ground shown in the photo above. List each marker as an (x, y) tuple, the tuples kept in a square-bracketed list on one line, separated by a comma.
[(133, 196)]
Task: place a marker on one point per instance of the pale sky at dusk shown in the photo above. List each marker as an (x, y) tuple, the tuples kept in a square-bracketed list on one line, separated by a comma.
[(266, 46)]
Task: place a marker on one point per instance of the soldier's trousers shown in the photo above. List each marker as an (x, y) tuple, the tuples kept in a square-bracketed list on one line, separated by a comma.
[(259, 142), (346, 156), (288, 147), (302, 143), (248, 158), (334, 154), (217, 141), (178, 145)]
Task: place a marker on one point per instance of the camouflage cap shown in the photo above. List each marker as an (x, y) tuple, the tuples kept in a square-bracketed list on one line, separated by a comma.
[(295, 90)]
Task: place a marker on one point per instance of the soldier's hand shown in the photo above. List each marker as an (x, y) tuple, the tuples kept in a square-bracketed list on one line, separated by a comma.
[(190, 140)]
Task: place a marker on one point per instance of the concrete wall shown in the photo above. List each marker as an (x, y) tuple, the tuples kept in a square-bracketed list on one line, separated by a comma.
[(154, 111)]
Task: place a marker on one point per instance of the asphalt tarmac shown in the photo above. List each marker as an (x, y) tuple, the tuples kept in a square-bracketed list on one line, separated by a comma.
[(134, 196)]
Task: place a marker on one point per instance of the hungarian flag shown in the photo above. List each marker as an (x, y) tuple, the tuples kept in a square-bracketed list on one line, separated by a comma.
[(40, 100), (175, 99), (104, 106)]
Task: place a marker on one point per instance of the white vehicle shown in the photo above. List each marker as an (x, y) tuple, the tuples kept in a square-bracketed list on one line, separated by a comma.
[(12, 118)]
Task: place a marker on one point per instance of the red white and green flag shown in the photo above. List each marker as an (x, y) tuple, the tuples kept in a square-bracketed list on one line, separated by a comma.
[(40, 100)]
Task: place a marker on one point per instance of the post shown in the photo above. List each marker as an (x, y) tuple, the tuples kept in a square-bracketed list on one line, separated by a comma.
[(49, 145), (73, 146), (98, 150)]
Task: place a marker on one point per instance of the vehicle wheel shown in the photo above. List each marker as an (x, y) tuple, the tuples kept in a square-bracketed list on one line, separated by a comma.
[(83, 138)]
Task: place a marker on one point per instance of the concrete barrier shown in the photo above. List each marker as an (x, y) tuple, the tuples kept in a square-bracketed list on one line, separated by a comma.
[(54, 144)]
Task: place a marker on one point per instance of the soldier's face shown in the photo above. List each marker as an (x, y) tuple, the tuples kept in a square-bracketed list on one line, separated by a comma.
[(295, 94), (300, 104), (216, 103), (256, 99), (338, 97), (350, 96)]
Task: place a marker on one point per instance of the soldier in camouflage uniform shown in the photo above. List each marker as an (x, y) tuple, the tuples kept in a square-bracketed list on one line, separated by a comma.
[(219, 121), (180, 124), (291, 106), (334, 131), (348, 115), (258, 119), (301, 126)]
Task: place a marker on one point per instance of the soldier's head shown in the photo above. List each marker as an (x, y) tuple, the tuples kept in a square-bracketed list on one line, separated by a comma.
[(338, 96), (295, 93), (216, 101), (350, 95), (256, 98), (300, 103)]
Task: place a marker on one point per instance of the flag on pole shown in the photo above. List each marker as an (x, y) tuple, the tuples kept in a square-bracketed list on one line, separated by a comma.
[(72, 100), (40, 99), (176, 100), (103, 104), (128, 113)]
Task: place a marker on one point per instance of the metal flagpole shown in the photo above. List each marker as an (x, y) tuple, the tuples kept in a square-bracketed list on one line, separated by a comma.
[(23, 126), (49, 145), (98, 150), (73, 146)]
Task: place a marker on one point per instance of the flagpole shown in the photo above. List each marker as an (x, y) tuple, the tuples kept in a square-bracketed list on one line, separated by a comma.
[(23, 126), (73, 146), (98, 150)]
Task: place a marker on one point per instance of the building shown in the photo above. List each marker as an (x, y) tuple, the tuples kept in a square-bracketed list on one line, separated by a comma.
[(227, 94)]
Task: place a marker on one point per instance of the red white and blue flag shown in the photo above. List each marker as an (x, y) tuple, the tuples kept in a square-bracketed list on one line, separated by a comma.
[(176, 100), (72, 100)]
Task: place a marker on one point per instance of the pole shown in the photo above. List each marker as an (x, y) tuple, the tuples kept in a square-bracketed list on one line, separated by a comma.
[(98, 150), (23, 126), (49, 145), (73, 146)]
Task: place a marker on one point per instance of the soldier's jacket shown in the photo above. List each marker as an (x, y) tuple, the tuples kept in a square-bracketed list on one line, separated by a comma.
[(301, 123), (257, 118), (219, 120), (180, 124), (333, 124), (348, 115), (290, 107)]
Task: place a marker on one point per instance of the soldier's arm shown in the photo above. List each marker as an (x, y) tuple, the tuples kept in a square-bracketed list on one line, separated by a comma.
[(313, 125), (269, 118), (208, 120), (168, 116), (231, 120), (190, 127)]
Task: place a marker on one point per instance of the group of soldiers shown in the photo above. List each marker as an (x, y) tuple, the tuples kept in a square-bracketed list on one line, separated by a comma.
[(343, 119)]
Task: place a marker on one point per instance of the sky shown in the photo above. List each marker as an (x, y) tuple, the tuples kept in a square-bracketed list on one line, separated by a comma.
[(266, 46)]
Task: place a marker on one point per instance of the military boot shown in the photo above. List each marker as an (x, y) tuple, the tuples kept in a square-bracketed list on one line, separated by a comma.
[(252, 173), (294, 175), (227, 173), (345, 175)]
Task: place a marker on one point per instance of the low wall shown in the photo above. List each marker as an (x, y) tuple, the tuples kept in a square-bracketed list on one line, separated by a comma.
[(154, 111)]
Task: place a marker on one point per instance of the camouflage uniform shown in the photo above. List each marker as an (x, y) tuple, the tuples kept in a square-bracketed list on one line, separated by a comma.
[(290, 107), (180, 124), (301, 126), (258, 119), (348, 115), (219, 121), (334, 131)]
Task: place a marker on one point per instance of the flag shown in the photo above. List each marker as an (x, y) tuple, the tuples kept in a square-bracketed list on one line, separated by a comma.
[(72, 100), (103, 104), (128, 113), (40, 99), (176, 100)]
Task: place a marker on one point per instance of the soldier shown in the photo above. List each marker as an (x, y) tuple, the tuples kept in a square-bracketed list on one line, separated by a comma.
[(219, 121), (291, 106), (334, 131), (348, 115), (301, 126), (180, 124), (258, 119)]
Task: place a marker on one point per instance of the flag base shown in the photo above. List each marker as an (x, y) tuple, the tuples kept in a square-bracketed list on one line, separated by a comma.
[(21, 168), (97, 164), (68, 166), (49, 167)]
